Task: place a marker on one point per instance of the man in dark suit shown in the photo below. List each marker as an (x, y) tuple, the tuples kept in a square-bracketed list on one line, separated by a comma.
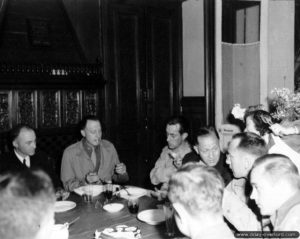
[(208, 147), (24, 155)]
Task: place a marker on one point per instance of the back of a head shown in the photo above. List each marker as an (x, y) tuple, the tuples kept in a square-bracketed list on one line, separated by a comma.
[(251, 143), (198, 188), (26, 199), (182, 122), (260, 118), (277, 167)]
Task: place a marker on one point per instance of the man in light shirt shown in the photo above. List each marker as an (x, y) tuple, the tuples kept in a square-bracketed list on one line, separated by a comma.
[(276, 190), (243, 150), (176, 153), (196, 194), (91, 160)]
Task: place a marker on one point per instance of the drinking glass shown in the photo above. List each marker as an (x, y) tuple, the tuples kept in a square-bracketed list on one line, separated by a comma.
[(108, 190), (133, 205), (169, 216), (88, 193)]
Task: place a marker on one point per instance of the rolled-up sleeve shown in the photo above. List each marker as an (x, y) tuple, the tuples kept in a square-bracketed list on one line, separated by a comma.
[(163, 169)]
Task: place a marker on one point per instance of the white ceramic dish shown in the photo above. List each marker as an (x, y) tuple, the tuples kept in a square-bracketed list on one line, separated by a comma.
[(132, 192), (152, 216), (113, 207), (62, 206), (96, 189)]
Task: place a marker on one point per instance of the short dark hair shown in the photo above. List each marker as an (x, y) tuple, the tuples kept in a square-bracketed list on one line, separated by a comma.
[(82, 123), (206, 130), (183, 123), (14, 133), (258, 117), (29, 195), (251, 143)]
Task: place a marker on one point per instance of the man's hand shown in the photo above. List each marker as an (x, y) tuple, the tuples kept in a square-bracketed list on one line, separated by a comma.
[(177, 159), (120, 168), (159, 194), (92, 178), (280, 130)]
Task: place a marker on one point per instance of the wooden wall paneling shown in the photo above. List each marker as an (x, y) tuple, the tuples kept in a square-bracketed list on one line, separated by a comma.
[(27, 107), (164, 75), (90, 102), (5, 110), (71, 107), (50, 110), (15, 36), (193, 108), (143, 73), (128, 76)]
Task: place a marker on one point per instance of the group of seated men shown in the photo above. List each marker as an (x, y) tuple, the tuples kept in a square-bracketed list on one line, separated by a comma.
[(90, 160), (201, 187)]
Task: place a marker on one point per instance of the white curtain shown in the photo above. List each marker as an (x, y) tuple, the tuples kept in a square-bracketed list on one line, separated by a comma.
[(240, 75)]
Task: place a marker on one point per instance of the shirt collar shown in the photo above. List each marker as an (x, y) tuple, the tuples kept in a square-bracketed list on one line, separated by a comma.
[(281, 213), (27, 158), (271, 142), (88, 147)]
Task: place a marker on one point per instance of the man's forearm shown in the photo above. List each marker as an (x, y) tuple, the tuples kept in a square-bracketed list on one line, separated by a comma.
[(71, 184)]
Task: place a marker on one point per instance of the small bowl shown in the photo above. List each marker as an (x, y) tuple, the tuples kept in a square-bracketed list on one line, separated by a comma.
[(113, 207)]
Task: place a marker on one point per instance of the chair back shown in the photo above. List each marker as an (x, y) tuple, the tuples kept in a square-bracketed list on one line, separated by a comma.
[(226, 131)]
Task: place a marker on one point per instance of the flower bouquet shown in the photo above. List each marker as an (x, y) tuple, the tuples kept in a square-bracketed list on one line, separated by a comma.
[(239, 113), (285, 104)]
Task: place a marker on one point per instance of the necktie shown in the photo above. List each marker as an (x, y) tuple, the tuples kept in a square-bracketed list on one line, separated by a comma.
[(24, 162), (93, 157)]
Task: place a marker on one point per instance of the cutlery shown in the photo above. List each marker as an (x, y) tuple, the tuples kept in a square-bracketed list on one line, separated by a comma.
[(124, 187), (68, 224)]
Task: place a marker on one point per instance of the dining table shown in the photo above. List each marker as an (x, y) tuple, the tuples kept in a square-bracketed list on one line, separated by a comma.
[(91, 217)]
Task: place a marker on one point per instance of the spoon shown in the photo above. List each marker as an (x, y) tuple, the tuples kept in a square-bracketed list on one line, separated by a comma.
[(68, 224)]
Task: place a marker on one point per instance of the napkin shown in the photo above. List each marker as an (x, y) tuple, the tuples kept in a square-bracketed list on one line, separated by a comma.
[(119, 232)]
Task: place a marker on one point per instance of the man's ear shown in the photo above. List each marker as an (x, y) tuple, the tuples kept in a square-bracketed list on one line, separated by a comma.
[(185, 135), (248, 162), (82, 133), (15, 144), (181, 211)]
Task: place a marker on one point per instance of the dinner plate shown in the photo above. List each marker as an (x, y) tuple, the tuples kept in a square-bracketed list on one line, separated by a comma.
[(152, 216), (96, 189), (132, 192), (62, 206), (113, 207)]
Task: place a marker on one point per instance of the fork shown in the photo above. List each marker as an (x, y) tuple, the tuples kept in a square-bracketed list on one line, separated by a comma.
[(68, 224), (124, 187)]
